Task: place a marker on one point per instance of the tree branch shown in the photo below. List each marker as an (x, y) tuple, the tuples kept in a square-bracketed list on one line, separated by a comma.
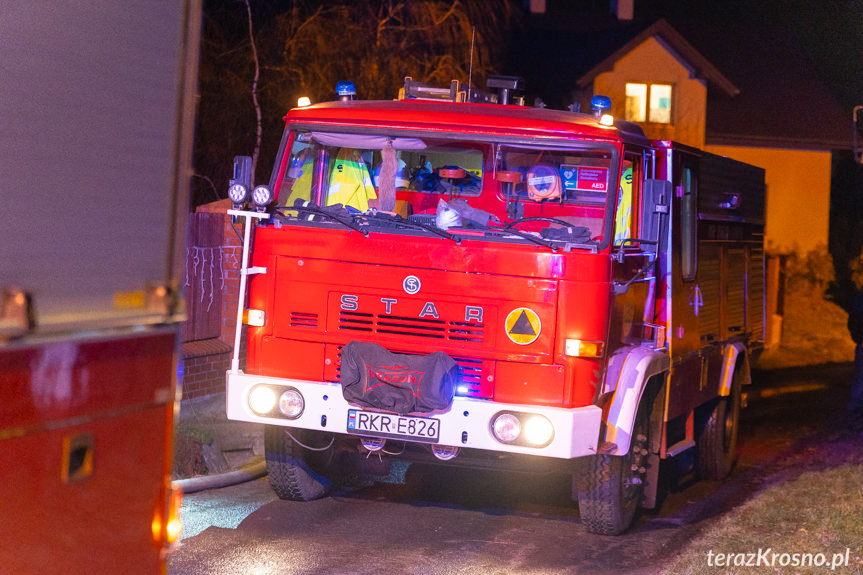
[(258, 133)]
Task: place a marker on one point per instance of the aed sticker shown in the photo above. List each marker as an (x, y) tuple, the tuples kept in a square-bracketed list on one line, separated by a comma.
[(522, 326)]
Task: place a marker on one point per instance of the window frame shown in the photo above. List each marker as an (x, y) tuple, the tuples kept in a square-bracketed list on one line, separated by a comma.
[(638, 162), (688, 196), (647, 109)]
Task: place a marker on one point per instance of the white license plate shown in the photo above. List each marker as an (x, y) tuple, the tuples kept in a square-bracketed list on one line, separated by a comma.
[(394, 426)]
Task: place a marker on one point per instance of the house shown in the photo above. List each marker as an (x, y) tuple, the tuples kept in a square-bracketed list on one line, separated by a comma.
[(744, 92)]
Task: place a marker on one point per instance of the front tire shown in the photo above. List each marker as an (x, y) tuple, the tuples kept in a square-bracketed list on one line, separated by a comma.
[(610, 486), (295, 472)]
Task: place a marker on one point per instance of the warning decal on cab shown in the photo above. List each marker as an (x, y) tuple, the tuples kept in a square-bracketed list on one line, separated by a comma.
[(522, 326)]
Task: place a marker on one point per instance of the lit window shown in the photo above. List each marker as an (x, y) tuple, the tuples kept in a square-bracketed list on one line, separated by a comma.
[(636, 102), (648, 103)]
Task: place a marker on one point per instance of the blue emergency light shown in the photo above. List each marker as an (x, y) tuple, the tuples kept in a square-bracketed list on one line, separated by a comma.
[(600, 103), (346, 90)]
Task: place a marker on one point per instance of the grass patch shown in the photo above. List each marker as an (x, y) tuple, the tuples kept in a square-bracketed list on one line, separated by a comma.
[(814, 331), (818, 513)]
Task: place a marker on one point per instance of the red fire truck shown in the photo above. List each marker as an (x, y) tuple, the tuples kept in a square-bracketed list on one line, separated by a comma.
[(460, 279), (97, 113)]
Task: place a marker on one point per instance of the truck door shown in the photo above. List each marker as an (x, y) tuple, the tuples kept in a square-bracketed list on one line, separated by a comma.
[(686, 300), (632, 268)]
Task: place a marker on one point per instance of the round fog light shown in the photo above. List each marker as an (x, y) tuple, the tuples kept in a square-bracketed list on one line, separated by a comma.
[(262, 399), (444, 452), (538, 430), (291, 403), (506, 427)]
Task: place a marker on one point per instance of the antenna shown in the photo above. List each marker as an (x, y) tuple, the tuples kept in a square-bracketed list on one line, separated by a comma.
[(470, 67)]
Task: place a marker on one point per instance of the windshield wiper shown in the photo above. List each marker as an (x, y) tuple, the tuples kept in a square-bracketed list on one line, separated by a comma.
[(510, 228), (568, 233), (530, 238), (328, 214), (563, 223), (400, 221)]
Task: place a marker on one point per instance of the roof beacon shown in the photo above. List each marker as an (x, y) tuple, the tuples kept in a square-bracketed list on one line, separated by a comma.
[(600, 104), (346, 91)]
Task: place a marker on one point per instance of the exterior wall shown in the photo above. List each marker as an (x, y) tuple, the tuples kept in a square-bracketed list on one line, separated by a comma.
[(798, 194), (651, 62), (207, 352), (204, 374), (232, 258)]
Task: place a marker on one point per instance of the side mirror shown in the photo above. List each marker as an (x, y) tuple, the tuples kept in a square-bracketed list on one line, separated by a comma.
[(241, 181), (242, 172)]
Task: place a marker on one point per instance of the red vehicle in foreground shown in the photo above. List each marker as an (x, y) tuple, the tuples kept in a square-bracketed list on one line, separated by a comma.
[(497, 286), (97, 113)]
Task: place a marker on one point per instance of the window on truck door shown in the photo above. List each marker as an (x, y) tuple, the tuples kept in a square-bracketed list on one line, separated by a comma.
[(628, 193), (688, 251)]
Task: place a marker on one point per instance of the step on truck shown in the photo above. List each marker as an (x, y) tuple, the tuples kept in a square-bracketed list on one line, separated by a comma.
[(97, 109), (455, 278)]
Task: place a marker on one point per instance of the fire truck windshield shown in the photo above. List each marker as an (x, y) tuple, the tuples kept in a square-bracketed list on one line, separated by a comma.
[(552, 193)]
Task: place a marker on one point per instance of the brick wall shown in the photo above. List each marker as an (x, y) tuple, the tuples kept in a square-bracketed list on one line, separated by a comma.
[(204, 365), (214, 256)]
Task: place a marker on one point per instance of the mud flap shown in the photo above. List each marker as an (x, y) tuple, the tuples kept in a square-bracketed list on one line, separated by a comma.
[(651, 482)]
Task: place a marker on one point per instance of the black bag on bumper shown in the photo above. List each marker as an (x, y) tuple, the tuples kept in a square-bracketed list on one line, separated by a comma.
[(373, 377)]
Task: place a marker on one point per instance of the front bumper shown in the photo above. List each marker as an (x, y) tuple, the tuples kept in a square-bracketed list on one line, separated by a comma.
[(466, 424)]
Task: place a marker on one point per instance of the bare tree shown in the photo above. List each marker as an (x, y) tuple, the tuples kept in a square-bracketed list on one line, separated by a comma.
[(258, 57), (377, 43), (256, 154)]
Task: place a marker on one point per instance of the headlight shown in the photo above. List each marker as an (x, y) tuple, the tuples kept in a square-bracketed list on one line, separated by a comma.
[(262, 399), (528, 429), (238, 193), (538, 430), (506, 427), (291, 403), (262, 196)]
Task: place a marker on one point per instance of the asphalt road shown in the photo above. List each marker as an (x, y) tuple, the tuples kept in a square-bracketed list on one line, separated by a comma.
[(440, 520)]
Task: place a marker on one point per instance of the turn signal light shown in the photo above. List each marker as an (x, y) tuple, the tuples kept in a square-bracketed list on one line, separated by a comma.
[(583, 348), (174, 528), (167, 533), (255, 317)]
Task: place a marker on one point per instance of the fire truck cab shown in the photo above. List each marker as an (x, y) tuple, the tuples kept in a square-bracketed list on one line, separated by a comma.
[(590, 300)]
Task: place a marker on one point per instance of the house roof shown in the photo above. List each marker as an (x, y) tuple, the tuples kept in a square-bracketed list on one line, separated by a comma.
[(763, 90), (783, 101), (673, 42)]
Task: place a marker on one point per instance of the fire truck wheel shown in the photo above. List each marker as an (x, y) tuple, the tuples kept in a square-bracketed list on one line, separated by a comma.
[(610, 486), (717, 433), (296, 473)]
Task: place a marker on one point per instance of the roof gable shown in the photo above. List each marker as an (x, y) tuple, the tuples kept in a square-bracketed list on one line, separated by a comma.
[(678, 46)]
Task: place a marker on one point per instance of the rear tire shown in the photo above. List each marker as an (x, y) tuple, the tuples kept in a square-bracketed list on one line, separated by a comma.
[(297, 473), (717, 437), (609, 489)]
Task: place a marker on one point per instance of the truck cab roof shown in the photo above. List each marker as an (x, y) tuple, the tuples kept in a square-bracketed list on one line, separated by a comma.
[(492, 119)]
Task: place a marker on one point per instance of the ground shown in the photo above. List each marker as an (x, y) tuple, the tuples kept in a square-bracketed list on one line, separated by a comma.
[(814, 331)]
